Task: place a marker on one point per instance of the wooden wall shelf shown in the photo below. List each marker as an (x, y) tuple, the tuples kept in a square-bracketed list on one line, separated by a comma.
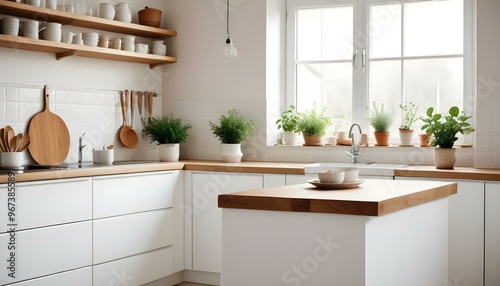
[(62, 50), (66, 18)]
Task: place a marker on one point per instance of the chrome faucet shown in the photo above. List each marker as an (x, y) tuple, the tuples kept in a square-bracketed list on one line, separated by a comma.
[(355, 153), (80, 148)]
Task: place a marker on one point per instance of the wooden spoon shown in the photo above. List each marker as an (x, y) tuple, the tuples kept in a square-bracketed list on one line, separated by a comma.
[(150, 104), (2, 146), (5, 137), (127, 135), (25, 142), (19, 137), (11, 143)]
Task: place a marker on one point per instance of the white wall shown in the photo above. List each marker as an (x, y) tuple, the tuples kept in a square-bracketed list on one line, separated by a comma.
[(84, 92)]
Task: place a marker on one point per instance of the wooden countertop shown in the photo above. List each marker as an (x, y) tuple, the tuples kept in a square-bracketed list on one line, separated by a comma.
[(459, 173), (246, 167), (372, 198)]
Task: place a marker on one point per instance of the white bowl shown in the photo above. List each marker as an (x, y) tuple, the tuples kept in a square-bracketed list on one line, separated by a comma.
[(90, 43), (331, 176), (90, 36), (160, 50), (351, 174)]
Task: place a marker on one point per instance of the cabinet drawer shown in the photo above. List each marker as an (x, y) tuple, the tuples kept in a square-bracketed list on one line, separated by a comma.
[(48, 250), (135, 270), (126, 235), (79, 277), (123, 194), (48, 203)]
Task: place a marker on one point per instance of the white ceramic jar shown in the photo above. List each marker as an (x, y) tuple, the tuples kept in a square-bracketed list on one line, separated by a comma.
[(52, 32), (10, 26), (30, 29), (122, 13), (106, 11), (128, 43)]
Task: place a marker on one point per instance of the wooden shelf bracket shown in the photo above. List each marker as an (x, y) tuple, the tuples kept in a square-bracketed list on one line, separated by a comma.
[(66, 54)]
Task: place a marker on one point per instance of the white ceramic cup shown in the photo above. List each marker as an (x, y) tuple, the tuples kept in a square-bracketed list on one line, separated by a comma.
[(103, 157), (12, 159), (68, 37), (10, 26), (116, 43), (31, 28), (103, 41), (52, 32), (159, 49), (51, 4), (141, 48), (35, 3)]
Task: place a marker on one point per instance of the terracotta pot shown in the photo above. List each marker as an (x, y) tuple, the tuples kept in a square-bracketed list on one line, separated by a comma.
[(405, 137), (290, 138), (312, 140), (444, 158), (425, 140), (231, 153), (150, 17), (382, 138), (169, 152)]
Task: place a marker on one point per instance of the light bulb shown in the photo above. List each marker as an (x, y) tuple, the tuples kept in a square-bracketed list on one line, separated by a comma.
[(229, 50)]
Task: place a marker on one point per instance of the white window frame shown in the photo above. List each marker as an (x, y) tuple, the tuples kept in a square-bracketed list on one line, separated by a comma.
[(360, 78)]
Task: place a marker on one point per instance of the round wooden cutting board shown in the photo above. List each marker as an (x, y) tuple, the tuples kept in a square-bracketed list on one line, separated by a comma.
[(49, 136)]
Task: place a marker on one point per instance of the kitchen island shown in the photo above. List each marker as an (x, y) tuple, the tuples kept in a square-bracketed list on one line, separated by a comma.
[(379, 233)]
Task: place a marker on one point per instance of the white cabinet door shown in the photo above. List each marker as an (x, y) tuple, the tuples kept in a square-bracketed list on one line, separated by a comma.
[(492, 234), (78, 277), (48, 250), (134, 270), (299, 179), (47, 203), (126, 235), (207, 216), (465, 233), (123, 194)]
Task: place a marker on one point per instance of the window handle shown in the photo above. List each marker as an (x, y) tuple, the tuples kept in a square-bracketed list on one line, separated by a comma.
[(354, 64), (363, 58)]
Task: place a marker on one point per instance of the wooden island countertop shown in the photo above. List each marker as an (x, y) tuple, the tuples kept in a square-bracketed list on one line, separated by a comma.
[(374, 197)]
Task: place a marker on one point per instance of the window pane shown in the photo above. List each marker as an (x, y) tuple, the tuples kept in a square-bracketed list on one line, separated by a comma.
[(324, 34), (328, 85), (385, 31), (385, 87), (434, 82), (433, 28)]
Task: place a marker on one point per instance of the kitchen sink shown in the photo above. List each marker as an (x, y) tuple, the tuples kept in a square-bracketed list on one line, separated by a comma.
[(365, 169)]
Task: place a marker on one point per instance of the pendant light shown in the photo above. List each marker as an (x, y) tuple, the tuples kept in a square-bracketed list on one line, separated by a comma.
[(229, 50)]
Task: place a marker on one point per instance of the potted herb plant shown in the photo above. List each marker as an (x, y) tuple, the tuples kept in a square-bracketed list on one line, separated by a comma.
[(381, 121), (313, 124), (232, 129), (409, 117), (289, 123), (167, 131), (444, 129)]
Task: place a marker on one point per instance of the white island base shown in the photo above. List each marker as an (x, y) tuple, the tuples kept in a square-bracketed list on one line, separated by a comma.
[(270, 248)]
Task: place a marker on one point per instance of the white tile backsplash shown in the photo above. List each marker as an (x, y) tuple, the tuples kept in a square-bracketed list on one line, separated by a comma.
[(96, 113)]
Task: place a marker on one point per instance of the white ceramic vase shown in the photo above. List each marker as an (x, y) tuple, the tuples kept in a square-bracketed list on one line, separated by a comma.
[(231, 153), (169, 152), (444, 158), (122, 13)]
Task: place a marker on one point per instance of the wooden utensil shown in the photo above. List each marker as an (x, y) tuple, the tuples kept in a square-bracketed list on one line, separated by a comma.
[(5, 137), (139, 102), (12, 144), (3, 148), (127, 135), (150, 104), (10, 135), (49, 136), (25, 142)]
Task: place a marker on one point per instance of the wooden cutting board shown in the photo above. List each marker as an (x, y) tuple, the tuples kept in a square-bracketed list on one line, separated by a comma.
[(49, 136)]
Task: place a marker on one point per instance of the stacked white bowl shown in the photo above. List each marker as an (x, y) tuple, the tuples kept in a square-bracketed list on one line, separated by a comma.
[(10, 26), (90, 39)]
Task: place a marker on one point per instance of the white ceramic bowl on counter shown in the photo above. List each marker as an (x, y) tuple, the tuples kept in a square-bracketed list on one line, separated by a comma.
[(331, 176)]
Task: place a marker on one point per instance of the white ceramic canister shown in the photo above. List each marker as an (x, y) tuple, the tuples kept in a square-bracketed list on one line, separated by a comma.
[(52, 32), (31, 29), (10, 26), (35, 3), (106, 11), (122, 13), (128, 43), (103, 41), (51, 4), (116, 44)]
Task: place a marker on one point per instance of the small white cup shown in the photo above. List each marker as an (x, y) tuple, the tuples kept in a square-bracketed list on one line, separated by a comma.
[(141, 48), (103, 157), (51, 4), (12, 159), (159, 50)]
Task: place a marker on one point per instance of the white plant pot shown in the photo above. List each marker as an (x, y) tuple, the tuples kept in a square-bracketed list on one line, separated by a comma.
[(405, 137), (169, 152), (290, 138), (444, 158), (231, 153)]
